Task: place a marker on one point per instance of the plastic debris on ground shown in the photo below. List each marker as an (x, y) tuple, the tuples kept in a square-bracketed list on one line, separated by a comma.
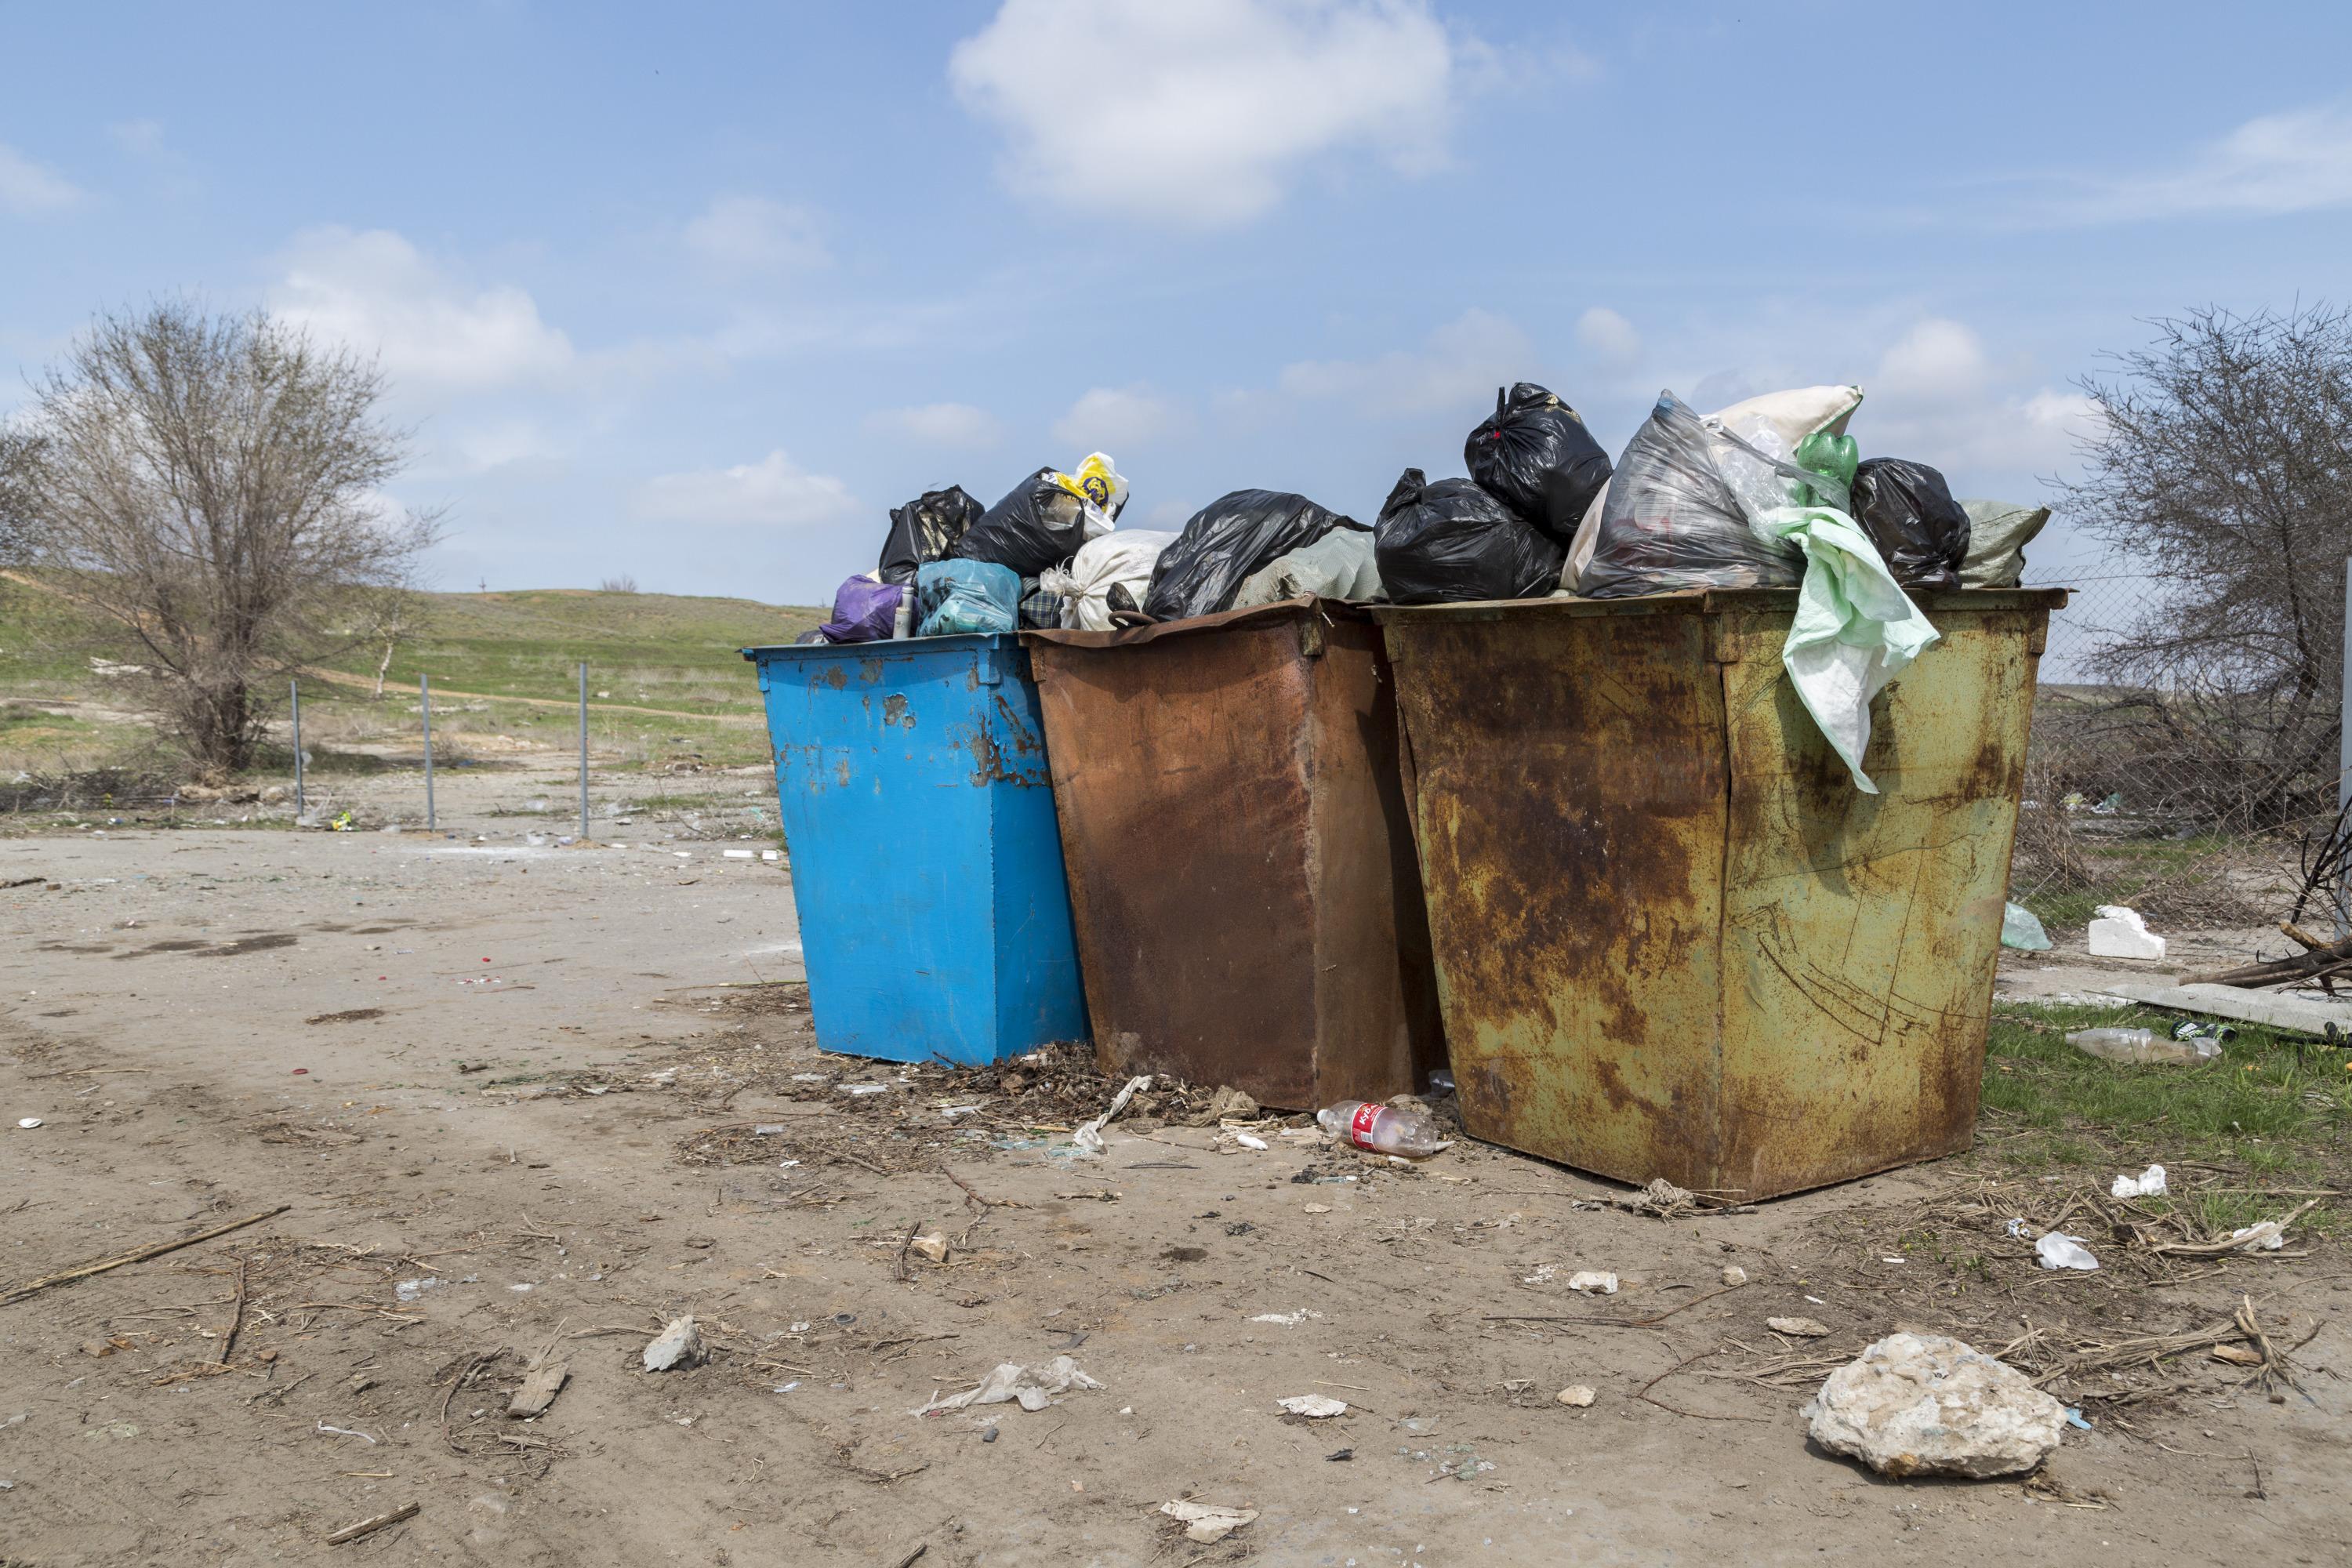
[(1593, 1282), (1383, 1129), (2269, 1236), (1032, 1388), (2149, 1183), (1907, 510), (2021, 927), (1535, 456), (926, 530), (1449, 541), (1088, 1136), (1343, 565), (1122, 560), (1228, 540), (1043, 520), (2058, 1250), (1313, 1407), (1207, 1524), (2144, 1046), (1928, 1404), (2119, 932), (960, 596)]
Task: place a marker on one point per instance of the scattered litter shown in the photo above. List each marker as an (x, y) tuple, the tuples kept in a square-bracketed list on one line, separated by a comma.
[(2017, 1229), (345, 1432), (28, 1122), (932, 1245), (1313, 1407), (1383, 1129), (1032, 1388), (2149, 1183), (1801, 1328), (409, 1289), (1593, 1282), (539, 1387), (1228, 1104), (1544, 1275), (1337, 1457), (679, 1345), (1733, 1275), (1088, 1137), (2021, 928), (2119, 932), (864, 1088), (1575, 1396), (2058, 1250), (2144, 1047), (1250, 1141), (1207, 1524), (2075, 1418), (2267, 1236), (1917, 1404), (1667, 1201), (736, 855), (1289, 1319), (769, 1130)]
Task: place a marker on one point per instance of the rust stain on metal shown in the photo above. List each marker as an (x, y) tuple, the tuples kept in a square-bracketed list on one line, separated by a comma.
[(894, 711), (1240, 859), (1672, 938)]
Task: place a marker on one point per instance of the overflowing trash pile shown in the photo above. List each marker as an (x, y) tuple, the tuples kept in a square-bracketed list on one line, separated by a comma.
[(1770, 492)]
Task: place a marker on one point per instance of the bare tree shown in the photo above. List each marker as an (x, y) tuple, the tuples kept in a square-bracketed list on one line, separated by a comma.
[(2224, 468), (19, 450), (623, 584), (207, 489), (394, 614)]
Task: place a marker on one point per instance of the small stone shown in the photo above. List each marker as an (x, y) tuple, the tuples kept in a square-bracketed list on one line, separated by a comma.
[(1593, 1282), (679, 1345), (1575, 1396), (1313, 1407), (2237, 1355), (1802, 1328), (1733, 1275), (933, 1245), (1928, 1404)]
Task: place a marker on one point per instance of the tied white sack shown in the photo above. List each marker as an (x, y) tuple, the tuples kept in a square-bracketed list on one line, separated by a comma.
[(1124, 557)]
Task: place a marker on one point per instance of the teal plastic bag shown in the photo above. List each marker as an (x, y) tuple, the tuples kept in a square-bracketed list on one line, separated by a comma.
[(963, 596), (2022, 929)]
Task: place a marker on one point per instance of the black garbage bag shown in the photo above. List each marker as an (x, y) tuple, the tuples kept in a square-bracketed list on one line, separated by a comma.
[(1910, 513), (1040, 523), (1538, 456), (925, 530), (1227, 540), (1454, 540)]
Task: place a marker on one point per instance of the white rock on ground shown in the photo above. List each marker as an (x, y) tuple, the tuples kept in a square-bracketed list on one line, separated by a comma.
[(1928, 1404), (680, 1344), (2119, 932)]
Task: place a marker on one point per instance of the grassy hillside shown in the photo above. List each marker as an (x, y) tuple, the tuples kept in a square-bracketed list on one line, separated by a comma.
[(666, 676)]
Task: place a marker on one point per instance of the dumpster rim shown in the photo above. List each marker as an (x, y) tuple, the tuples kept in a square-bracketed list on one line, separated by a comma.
[(1702, 602), (1280, 610), (760, 653)]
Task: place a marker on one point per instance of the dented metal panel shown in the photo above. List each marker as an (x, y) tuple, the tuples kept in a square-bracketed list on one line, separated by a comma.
[(1240, 869), (1671, 938)]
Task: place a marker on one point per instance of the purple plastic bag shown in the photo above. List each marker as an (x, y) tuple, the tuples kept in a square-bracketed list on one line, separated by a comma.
[(863, 611)]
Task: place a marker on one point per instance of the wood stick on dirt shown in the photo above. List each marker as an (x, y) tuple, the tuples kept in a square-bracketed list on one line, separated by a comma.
[(235, 1318), (919, 1548), (145, 1253), (371, 1525), (2271, 974)]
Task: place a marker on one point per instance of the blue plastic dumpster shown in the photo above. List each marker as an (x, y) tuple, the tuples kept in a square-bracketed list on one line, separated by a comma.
[(918, 814)]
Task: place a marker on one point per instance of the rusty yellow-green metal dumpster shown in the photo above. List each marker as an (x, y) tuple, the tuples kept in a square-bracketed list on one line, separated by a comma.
[(1240, 852), (1672, 938)]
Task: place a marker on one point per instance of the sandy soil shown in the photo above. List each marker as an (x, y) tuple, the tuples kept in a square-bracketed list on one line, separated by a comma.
[(515, 1072)]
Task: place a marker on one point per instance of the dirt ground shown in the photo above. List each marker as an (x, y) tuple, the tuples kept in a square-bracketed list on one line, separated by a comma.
[(518, 1103)]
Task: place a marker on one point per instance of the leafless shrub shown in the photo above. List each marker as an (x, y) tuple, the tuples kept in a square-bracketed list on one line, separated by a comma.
[(623, 584), (208, 490)]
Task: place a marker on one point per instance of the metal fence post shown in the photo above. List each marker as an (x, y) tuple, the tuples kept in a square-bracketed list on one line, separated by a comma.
[(584, 751), (295, 687), (425, 705)]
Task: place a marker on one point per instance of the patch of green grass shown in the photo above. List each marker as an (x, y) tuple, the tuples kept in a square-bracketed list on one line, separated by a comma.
[(2276, 1106)]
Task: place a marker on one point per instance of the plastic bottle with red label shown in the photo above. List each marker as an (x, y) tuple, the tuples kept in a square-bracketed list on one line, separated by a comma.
[(1383, 1129)]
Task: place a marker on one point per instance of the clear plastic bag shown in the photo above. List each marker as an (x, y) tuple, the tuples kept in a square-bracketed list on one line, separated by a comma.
[(960, 596)]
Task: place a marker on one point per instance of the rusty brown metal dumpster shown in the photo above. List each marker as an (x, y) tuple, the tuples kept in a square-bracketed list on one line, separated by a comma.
[(1239, 852), (1672, 938)]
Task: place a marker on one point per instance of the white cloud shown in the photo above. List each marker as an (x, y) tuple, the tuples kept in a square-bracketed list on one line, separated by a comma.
[(1460, 365), (27, 188), (1108, 418), (379, 293), (1936, 357), (773, 491), (752, 234), (2296, 161), (1200, 115), (953, 424), (1608, 335)]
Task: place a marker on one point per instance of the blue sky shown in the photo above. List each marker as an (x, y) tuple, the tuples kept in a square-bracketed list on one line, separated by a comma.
[(696, 294)]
